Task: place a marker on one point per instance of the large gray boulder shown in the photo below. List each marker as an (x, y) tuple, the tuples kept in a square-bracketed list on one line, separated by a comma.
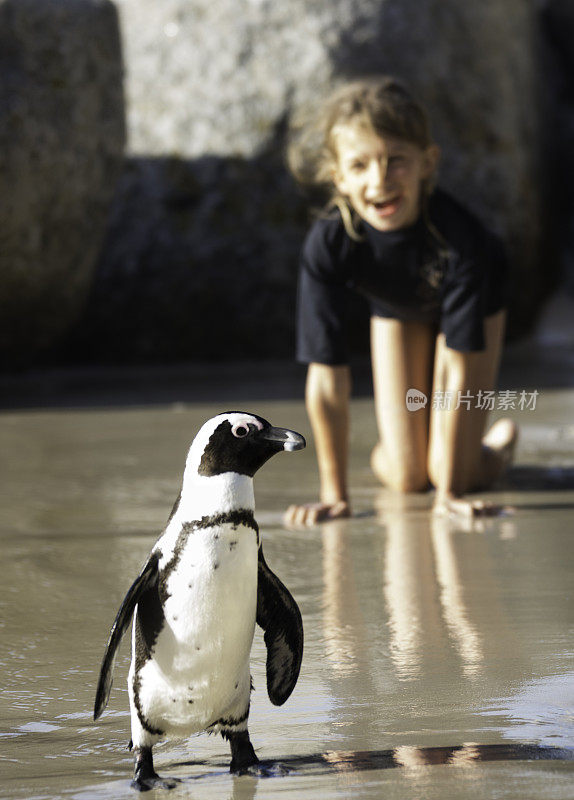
[(62, 135), (201, 257)]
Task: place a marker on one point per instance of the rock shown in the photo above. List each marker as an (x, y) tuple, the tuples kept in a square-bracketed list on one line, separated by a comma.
[(201, 257), (199, 263), (62, 134)]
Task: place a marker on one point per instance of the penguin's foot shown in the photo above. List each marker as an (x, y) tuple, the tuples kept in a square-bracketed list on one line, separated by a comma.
[(243, 756), (145, 776), (245, 762), (153, 782), (260, 770)]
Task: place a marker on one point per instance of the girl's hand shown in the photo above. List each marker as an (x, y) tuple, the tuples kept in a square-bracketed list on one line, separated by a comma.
[(312, 513)]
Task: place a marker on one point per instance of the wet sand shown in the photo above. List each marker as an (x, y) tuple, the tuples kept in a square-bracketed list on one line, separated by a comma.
[(425, 641), (438, 656)]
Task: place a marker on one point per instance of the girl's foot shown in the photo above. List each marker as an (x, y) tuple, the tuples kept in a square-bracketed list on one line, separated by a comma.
[(449, 506), (499, 444)]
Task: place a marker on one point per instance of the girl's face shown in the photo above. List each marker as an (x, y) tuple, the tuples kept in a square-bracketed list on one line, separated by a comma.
[(381, 177)]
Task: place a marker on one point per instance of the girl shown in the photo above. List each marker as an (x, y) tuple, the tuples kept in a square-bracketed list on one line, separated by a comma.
[(434, 279)]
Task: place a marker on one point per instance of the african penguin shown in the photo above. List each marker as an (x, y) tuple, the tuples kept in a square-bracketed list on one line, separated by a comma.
[(197, 599)]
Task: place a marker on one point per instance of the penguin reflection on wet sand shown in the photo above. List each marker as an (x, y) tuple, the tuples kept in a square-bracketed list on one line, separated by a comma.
[(197, 599)]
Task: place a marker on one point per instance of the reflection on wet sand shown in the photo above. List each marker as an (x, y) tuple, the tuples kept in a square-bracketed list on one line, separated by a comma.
[(441, 620), (243, 787), (344, 633), (452, 598), (411, 609), (408, 756), (427, 606)]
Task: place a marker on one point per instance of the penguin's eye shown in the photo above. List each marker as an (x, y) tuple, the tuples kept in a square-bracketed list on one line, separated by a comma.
[(240, 430)]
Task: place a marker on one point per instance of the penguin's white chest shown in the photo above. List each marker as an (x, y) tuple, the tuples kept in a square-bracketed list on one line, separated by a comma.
[(199, 672), (211, 595)]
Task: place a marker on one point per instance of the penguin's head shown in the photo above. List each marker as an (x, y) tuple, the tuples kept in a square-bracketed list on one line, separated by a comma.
[(238, 442)]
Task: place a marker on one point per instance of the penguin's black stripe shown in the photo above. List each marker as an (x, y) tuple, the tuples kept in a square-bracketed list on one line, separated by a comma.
[(137, 702), (172, 563), (175, 507), (231, 722), (241, 516), (150, 620)]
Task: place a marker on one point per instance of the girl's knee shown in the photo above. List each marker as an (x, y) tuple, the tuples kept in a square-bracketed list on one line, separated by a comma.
[(401, 474), (409, 480)]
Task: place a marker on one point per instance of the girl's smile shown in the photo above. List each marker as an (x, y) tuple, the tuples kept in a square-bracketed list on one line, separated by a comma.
[(381, 178)]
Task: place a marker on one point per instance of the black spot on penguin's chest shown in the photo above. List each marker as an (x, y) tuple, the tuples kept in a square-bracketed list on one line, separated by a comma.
[(150, 620), (150, 612)]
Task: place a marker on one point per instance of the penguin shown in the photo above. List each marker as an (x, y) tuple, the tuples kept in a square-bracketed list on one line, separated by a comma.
[(197, 599)]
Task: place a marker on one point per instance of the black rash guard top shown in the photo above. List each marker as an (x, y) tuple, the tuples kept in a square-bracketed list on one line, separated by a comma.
[(452, 280)]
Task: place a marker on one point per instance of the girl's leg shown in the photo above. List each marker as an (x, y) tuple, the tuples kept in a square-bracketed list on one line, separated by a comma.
[(402, 358), (482, 458)]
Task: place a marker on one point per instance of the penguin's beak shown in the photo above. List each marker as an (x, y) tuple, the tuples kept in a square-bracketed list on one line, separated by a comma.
[(289, 439)]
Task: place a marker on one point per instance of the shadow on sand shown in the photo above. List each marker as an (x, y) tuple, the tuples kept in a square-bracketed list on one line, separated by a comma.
[(539, 478), (408, 756)]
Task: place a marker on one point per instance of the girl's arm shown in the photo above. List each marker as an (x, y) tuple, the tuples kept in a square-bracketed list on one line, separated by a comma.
[(461, 457), (449, 466), (327, 396)]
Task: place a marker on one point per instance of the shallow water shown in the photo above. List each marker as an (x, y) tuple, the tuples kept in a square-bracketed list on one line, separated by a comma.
[(438, 657)]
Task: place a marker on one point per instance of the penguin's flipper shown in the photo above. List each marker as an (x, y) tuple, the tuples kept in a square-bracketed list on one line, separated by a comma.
[(146, 579), (279, 616)]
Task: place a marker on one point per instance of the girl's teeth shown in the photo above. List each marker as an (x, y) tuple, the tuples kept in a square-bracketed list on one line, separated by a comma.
[(386, 206)]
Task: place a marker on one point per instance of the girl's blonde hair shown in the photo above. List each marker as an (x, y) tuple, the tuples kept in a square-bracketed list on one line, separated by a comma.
[(382, 104)]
